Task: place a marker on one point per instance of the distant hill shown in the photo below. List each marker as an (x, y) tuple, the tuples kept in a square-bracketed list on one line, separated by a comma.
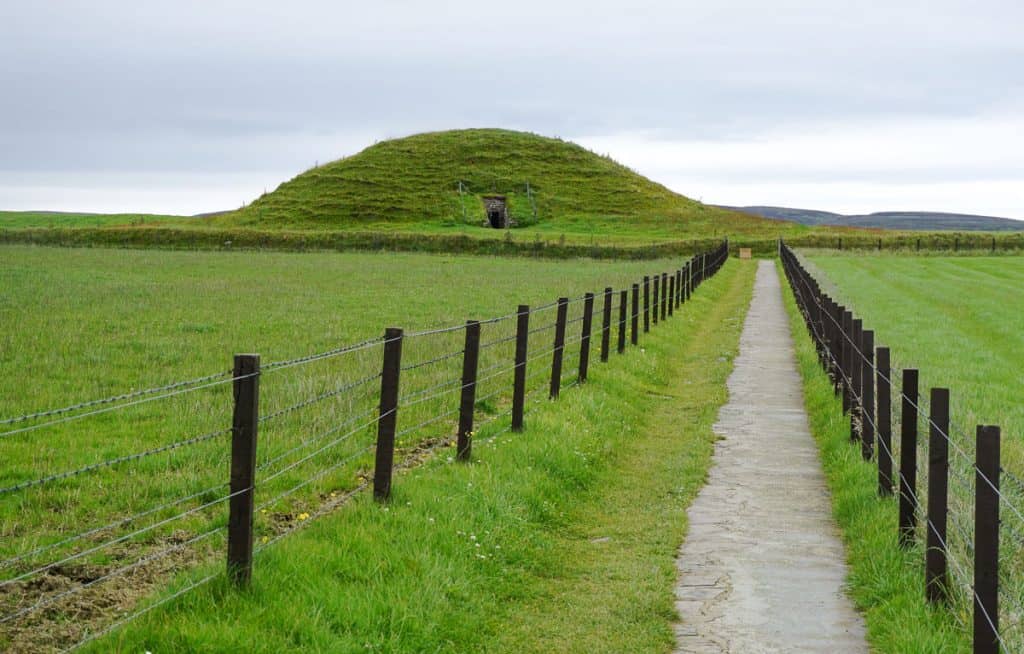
[(438, 179), (902, 220)]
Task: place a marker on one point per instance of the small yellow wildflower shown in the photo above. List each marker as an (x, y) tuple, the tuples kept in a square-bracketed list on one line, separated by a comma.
[(303, 516), (265, 539)]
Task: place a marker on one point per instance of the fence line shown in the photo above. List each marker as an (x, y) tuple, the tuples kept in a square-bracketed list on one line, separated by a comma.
[(533, 344), (922, 411), (847, 353)]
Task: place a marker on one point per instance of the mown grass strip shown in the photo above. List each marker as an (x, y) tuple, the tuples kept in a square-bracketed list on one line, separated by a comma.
[(562, 538), (957, 320), (886, 582)]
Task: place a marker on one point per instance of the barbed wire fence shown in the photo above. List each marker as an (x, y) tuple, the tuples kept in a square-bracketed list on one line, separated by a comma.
[(972, 536), (333, 424)]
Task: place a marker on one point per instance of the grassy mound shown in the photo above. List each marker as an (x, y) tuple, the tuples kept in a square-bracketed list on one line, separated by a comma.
[(440, 179)]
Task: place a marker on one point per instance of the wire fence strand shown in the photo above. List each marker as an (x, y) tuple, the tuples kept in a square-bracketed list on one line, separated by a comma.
[(320, 398), (119, 407), (114, 398), (119, 539), (113, 462)]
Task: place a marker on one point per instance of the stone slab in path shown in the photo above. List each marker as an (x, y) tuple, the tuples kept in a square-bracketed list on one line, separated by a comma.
[(763, 568)]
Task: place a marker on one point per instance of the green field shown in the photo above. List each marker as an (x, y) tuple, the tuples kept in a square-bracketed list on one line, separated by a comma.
[(83, 324), (959, 321), (561, 539), (569, 517)]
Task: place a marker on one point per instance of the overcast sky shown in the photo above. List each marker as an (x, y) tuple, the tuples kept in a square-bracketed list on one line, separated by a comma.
[(184, 107)]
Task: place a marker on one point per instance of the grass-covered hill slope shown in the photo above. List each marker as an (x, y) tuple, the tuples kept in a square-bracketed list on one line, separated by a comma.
[(438, 179)]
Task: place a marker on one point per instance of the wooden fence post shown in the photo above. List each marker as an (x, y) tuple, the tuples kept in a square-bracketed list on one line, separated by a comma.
[(635, 318), (884, 419), (671, 294), (936, 566), (654, 303), (844, 361), (986, 542), (388, 419), (606, 323), (664, 296), (556, 354), (622, 320), (828, 335), (470, 357), (819, 317), (856, 366), (244, 428), (647, 297), (908, 458), (867, 390), (588, 319), (689, 282), (837, 346), (519, 383)]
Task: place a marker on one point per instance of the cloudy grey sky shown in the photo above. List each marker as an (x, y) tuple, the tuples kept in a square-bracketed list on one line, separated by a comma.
[(193, 106)]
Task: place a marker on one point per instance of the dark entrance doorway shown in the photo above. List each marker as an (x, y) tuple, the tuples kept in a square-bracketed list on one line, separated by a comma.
[(497, 214)]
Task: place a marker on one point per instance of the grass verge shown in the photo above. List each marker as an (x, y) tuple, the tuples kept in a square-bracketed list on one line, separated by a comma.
[(561, 538), (886, 582)]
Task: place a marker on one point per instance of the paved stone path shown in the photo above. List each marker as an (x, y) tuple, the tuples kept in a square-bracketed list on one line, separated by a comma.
[(762, 569)]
